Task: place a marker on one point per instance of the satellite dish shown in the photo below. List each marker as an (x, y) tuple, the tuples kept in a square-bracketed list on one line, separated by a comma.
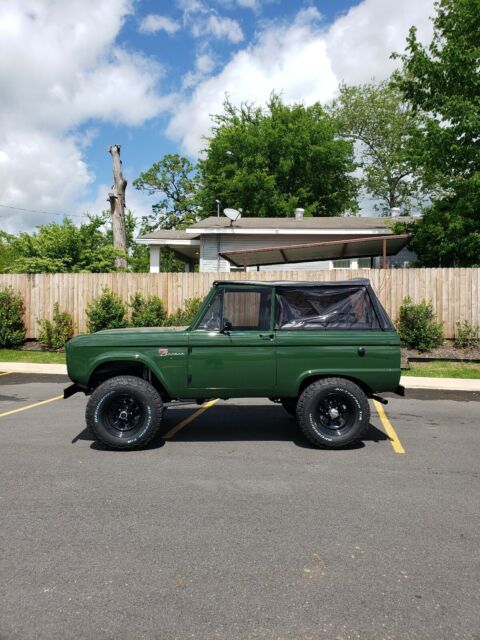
[(233, 214)]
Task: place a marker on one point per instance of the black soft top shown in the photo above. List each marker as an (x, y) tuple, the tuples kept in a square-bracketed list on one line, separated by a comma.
[(362, 282), (357, 284)]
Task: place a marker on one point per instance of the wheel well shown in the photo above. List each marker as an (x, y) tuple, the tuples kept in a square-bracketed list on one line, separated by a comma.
[(125, 368), (307, 381)]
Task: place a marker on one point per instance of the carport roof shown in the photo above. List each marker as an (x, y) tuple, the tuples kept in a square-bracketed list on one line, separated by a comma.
[(316, 251)]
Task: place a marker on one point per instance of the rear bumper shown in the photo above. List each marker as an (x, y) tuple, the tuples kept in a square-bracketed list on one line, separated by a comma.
[(72, 389)]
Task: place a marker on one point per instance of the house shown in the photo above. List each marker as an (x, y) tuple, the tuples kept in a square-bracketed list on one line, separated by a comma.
[(218, 244)]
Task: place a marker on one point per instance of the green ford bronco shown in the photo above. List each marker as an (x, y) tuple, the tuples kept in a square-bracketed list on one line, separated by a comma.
[(321, 349)]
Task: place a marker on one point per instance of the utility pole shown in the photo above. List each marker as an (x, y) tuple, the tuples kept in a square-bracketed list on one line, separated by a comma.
[(117, 206)]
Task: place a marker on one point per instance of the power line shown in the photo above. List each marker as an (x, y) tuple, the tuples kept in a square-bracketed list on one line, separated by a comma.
[(48, 213)]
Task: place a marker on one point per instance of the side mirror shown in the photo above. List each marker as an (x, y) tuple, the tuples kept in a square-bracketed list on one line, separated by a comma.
[(227, 327)]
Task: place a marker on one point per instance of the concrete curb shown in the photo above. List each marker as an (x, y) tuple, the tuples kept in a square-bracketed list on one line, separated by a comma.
[(440, 384), (409, 382), (28, 367)]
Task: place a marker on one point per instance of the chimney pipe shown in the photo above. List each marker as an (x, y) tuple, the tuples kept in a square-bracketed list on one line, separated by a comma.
[(299, 214)]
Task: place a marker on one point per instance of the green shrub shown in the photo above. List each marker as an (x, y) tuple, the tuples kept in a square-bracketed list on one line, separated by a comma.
[(12, 327), (147, 312), (417, 326), (183, 317), (54, 334), (106, 312), (467, 335)]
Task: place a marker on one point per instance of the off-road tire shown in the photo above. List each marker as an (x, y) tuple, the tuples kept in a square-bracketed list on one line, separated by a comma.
[(336, 395), (135, 399), (290, 405)]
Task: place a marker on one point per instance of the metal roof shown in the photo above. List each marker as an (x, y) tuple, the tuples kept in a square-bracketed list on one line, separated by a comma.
[(334, 222), (168, 234), (317, 251)]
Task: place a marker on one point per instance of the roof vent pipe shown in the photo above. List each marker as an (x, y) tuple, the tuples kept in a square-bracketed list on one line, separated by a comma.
[(299, 214)]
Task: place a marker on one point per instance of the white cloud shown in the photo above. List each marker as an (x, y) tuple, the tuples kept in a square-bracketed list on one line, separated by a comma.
[(204, 65), (360, 43), (154, 23), (305, 61), (203, 21), (60, 67), (39, 171), (219, 27), (289, 59)]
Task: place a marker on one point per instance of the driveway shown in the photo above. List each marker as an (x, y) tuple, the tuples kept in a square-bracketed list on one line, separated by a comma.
[(234, 527)]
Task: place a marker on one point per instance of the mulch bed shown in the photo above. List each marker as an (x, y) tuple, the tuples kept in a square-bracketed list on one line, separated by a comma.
[(446, 352)]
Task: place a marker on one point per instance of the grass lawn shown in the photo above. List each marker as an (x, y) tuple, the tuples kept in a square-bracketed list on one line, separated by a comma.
[(444, 369), (41, 357)]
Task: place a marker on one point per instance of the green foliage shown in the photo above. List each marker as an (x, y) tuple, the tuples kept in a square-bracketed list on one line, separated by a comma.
[(467, 335), (106, 312), (63, 248), (5, 252), (55, 333), (448, 234), (183, 317), (12, 328), (417, 326), (442, 83), (147, 312), (174, 181), (376, 117), (269, 161), (66, 248)]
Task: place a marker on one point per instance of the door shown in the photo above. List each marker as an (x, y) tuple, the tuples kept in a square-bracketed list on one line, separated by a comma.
[(233, 347)]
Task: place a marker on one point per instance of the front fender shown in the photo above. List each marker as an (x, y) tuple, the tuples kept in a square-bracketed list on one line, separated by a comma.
[(81, 368)]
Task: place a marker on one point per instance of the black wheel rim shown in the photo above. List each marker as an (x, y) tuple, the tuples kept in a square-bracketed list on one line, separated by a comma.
[(336, 412), (123, 415)]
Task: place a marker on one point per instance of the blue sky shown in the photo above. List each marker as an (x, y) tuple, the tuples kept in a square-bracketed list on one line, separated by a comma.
[(79, 75)]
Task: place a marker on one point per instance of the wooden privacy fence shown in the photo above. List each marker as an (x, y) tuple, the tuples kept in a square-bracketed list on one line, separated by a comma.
[(453, 292)]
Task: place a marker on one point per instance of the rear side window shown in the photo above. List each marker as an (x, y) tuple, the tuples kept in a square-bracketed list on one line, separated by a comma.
[(310, 308)]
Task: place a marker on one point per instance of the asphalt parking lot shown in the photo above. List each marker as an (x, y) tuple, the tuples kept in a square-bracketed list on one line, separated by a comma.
[(234, 527)]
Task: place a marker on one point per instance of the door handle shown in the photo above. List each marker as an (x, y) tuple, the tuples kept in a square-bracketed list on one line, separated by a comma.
[(266, 336)]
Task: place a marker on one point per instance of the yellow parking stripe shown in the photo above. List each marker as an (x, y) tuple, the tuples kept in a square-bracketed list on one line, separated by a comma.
[(30, 406), (184, 423), (389, 430)]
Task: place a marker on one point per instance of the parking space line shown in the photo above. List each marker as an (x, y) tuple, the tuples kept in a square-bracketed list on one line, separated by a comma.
[(6, 374), (30, 406), (190, 418), (389, 430)]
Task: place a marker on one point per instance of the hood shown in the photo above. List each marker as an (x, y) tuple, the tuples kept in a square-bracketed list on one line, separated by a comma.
[(132, 337)]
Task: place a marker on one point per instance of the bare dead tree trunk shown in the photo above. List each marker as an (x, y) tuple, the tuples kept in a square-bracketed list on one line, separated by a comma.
[(117, 206)]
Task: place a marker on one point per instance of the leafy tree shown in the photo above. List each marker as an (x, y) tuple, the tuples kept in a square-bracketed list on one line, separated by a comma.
[(442, 83), (173, 180), (5, 252), (269, 161), (62, 248), (387, 132)]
